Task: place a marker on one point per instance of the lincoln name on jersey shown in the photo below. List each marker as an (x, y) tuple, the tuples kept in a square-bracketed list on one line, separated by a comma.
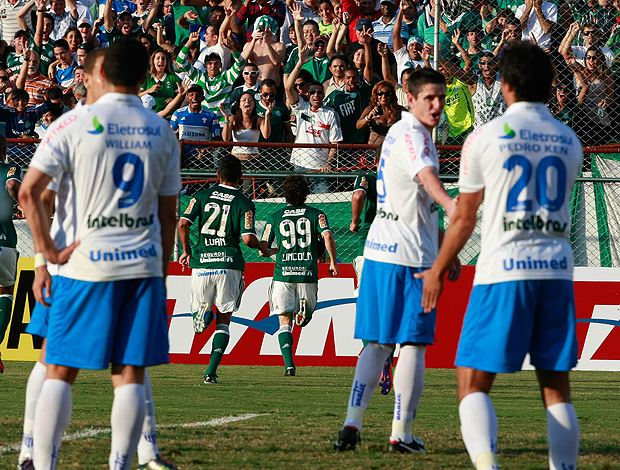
[(296, 231), (224, 215)]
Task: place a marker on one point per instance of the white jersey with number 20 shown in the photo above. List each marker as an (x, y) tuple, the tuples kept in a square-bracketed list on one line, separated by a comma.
[(117, 158), (526, 161)]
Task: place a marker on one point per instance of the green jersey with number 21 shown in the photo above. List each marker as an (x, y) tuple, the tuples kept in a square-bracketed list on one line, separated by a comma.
[(296, 232), (224, 215)]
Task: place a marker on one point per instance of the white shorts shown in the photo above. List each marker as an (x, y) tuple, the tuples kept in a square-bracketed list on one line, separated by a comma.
[(220, 287), (358, 267), (284, 296), (8, 266)]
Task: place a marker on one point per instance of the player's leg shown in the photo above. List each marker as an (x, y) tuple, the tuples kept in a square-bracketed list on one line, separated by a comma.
[(367, 374), (148, 452), (202, 295), (408, 387), (562, 423), (8, 276), (554, 352), (282, 302), (478, 418), (52, 415), (128, 411), (33, 391), (306, 295), (229, 287)]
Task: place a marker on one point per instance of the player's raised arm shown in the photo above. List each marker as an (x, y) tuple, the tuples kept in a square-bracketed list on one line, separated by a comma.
[(330, 246)]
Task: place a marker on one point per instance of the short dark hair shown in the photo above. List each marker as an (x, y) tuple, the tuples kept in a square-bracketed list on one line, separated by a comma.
[(268, 82), (55, 109), (513, 21), (339, 56), (51, 18), (408, 71), (296, 189), (421, 77), (195, 88), (126, 63), (91, 58), (230, 169), (351, 68), (250, 64), (213, 56), (54, 93), (61, 43), (315, 83), (305, 75), (19, 94), (20, 33), (312, 23), (528, 70)]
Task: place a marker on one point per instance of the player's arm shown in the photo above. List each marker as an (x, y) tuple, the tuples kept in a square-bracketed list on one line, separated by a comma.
[(43, 281), (183, 228), (459, 231), (330, 246), (22, 13), (167, 214), (12, 186), (434, 187), (36, 213), (251, 241), (357, 204)]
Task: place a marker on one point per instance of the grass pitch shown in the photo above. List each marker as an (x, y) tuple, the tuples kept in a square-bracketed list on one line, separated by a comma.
[(301, 416)]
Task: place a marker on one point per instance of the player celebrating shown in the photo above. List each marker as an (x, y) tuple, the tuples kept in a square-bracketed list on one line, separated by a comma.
[(225, 215), (294, 289), (522, 300), (109, 298), (401, 242), (10, 177)]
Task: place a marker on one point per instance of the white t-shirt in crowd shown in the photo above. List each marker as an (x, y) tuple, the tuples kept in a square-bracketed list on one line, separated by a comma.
[(403, 61), (550, 11), (526, 161), (405, 229), (579, 52), (117, 159), (314, 127)]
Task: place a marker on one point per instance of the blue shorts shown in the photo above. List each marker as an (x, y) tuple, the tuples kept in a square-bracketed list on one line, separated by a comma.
[(389, 306), (94, 323), (39, 315), (507, 320)]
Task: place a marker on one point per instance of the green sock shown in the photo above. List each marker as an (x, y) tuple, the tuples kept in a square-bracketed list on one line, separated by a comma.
[(6, 308), (285, 337), (220, 341), (364, 342)]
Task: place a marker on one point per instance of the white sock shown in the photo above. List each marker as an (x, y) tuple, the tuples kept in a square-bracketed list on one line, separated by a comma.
[(128, 410), (33, 390), (367, 375), (479, 430), (563, 436), (147, 446), (408, 386), (51, 419)]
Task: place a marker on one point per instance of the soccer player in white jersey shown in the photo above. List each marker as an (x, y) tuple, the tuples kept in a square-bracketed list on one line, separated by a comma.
[(109, 298), (148, 451), (403, 240), (524, 163)]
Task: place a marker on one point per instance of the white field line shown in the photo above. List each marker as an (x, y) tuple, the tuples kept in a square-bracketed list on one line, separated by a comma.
[(88, 433)]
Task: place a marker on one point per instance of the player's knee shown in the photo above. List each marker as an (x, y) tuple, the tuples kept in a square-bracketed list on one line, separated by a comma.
[(286, 319)]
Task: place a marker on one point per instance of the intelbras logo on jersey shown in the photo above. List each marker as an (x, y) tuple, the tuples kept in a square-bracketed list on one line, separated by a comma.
[(120, 220)]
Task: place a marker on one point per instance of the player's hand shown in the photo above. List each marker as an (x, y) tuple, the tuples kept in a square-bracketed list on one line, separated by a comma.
[(346, 18), (54, 256), (190, 15), (269, 108), (333, 268), (296, 12), (327, 167), (355, 226), (382, 49), (455, 270), (42, 284), (456, 36), (225, 112), (184, 260), (337, 23), (433, 285), (193, 37)]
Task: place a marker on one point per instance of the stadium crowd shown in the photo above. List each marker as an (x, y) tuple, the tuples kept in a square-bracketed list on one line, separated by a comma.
[(308, 72)]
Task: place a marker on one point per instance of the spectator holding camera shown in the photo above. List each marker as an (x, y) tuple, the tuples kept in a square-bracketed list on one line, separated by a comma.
[(382, 112)]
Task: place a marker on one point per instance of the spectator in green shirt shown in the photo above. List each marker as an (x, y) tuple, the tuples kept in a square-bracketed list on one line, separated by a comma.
[(161, 83)]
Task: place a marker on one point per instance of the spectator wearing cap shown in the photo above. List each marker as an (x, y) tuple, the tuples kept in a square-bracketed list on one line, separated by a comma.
[(252, 10), (196, 122), (267, 53), (63, 69), (538, 18), (216, 84), (251, 83), (358, 9), (591, 37), (42, 44), (15, 59), (9, 21), (86, 30), (161, 82), (409, 54), (210, 43), (384, 27), (364, 24), (125, 23), (32, 80), (63, 19)]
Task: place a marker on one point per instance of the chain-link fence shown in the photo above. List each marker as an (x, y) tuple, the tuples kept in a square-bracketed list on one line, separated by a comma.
[(595, 202)]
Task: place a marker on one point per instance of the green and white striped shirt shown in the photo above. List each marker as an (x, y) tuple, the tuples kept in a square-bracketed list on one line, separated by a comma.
[(218, 88)]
